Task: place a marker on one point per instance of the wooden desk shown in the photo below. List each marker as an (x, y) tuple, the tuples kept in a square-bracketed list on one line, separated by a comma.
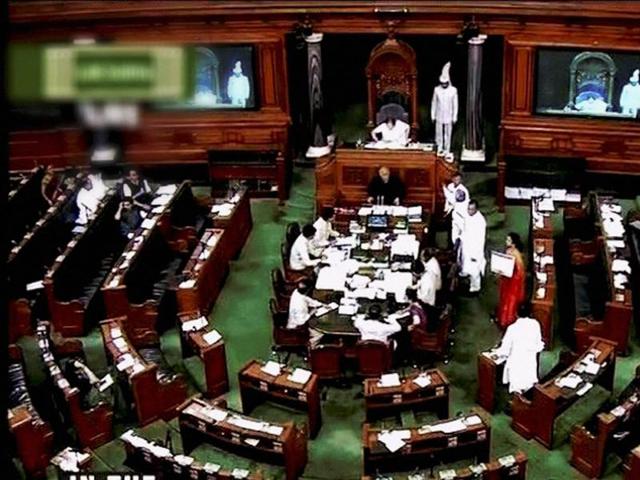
[(590, 446), (141, 457), (204, 274), (425, 448), (342, 177), (237, 225), (489, 378), (154, 397), (507, 467), (632, 465), (257, 386), (284, 444), (535, 417), (383, 401), (213, 356), (543, 306)]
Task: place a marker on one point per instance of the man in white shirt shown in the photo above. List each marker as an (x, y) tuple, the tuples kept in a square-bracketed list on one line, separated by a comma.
[(87, 200), (430, 280), (373, 329), (472, 243), (299, 258), (324, 230), (301, 305), (392, 132), (456, 203), (521, 344)]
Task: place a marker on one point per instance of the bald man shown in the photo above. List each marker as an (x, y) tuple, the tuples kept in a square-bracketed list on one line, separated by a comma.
[(385, 189)]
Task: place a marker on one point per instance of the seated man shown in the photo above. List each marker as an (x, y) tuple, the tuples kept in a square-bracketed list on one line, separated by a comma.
[(82, 377), (385, 188), (375, 328), (299, 258), (128, 217), (392, 132), (324, 230), (418, 315), (88, 199), (302, 307)]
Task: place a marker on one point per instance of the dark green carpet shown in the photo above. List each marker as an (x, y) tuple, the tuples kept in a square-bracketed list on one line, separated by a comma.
[(241, 314)]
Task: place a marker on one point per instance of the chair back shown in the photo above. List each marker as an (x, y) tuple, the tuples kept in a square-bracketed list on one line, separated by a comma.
[(284, 255), (291, 233), (279, 316), (373, 357), (325, 361)]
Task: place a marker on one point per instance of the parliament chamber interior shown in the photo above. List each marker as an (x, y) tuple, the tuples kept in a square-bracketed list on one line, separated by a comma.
[(357, 239)]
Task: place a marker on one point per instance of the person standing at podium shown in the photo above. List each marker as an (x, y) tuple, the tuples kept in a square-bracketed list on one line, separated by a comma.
[(385, 189)]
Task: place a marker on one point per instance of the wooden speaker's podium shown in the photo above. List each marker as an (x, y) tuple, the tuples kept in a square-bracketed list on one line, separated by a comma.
[(343, 176)]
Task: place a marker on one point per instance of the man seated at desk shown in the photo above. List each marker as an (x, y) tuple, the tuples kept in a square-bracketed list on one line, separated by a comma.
[(299, 258), (392, 133), (385, 189), (374, 328), (324, 230), (302, 307)]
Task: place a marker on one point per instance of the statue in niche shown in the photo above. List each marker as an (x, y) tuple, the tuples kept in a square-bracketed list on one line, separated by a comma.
[(207, 77), (444, 112), (238, 89), (630, 96)]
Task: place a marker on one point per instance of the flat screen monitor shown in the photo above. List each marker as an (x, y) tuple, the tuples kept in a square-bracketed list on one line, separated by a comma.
[(377, 221), (590, 83), (224, 79)]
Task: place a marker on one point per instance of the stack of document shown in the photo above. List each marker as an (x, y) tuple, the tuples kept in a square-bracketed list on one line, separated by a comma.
[(405, 245), (394, 440), (621, 266), (195, 324), (389, 380), (272, 368), (326, 309), (300, 375), (167, 189), (348, 306), (216, 414), (422, 380), (211, 337), (569, 381), (451, 426)]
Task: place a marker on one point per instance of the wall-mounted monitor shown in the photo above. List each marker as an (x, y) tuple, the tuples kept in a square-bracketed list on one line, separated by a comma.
[(588, 83), (224, 79)]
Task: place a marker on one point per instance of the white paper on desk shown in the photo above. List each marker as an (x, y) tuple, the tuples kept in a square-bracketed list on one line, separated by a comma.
[(183, 460), (546, 205), (300, 375), (364, 211), (569, 381), (558, 194), (397, 283), (359, 281), (416, 210), (512, 193), (389, 380), (63, 383), (541, 293), (167, 189), (541, 277), (619, 411), (35, 286), (546, 260), (116, 332), (252, 441), (211, 467), (592, 368), (449, 427), (369, 293), (195, 324), (211, 337), (399, 211), (187, 283), (349, 241), (125, 361), (246, 423), (213, 240), (348, 309), (161, 200), (422, 380), (620, 265), (472, 420), (272, 368), (204, 254), (502, 263), (148, 223), (105, 382), (121, 344), (326, 309), (273, 430), (620, 280), (584, 389), (240, 473), (331, 278), (216, 414), (158, 209), (615, 244), (394, 440), (507, 461)]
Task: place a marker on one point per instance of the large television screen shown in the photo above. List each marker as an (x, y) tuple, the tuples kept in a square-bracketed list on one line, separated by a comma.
[(224, 79), (588, 84)]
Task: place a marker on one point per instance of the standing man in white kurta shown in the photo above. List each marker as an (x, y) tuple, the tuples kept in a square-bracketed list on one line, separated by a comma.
[(472, 241), (457, 201), (444, 112), (521, 344)]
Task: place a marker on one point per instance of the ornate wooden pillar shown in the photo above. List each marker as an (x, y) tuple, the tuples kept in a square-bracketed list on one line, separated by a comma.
[(473, 150), (317, 137)]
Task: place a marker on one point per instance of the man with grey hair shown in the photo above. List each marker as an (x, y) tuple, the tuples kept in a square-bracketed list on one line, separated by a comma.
[(385, 189)]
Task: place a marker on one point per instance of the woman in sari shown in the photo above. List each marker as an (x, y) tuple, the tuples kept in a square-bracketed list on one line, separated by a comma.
[(512, 289)]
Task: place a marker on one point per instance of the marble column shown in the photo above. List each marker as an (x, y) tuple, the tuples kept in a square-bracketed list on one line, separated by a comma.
[(317, 138), (473, 150)]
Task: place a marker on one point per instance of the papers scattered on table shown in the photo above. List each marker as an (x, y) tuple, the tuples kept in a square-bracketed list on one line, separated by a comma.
[(405, 245), (570, 380), (615, 244), (211, 337), (187, 283), (541, 277), (389, 380), (211, 467), (584, 389), (105, 382), (422, 380), (620, 280), (619, 411), (272, 368), (161, 200), (300, 375), (167, 189), (472, 420), (195, 324), (331, 278), (620, 265), (394, 440), (183, 460), (223, 209), (38, 285), (116, 332), (120, 343), (252, 441), (125, 361), (326, 309), (541, 293), (507, 460), (216, 414), (449, 427), (348, 309), (148, 223), (448, 474), (239, 473)]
